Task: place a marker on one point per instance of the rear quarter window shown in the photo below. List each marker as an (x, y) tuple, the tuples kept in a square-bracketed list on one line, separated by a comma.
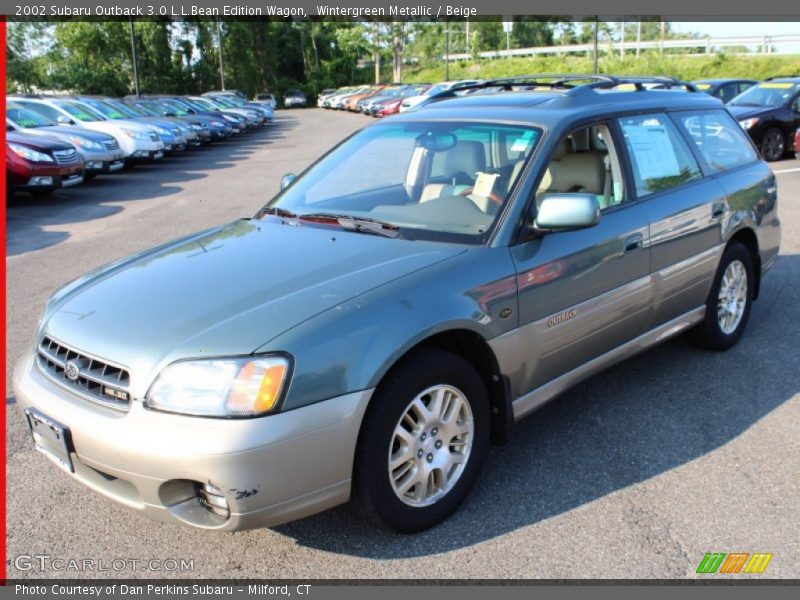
[(719, 138), (660, 159)]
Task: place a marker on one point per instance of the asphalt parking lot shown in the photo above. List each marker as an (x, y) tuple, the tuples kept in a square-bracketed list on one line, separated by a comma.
[(637, 473)]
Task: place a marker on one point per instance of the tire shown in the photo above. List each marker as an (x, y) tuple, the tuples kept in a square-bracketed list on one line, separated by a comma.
[(424, 379), (722, 326), (773, 144)]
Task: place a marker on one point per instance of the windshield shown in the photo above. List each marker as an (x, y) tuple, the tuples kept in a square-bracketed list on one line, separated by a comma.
[(768, 94), (235, 100), (203, 104), (440, 181), (79, 111), (22, 117), (175, 106), (150, 109), (441, 87), (104, 109), (218, 102), (126, 110)]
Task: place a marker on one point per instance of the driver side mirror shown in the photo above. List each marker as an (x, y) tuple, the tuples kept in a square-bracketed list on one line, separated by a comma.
[(287, 180), (64, 120), (565, 212)]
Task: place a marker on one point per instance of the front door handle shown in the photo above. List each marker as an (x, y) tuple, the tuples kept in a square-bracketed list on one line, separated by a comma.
[(633, 243), (717, 210)]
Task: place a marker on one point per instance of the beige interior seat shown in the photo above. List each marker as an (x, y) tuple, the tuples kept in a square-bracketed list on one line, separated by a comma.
[(460, 169), (575, 167)]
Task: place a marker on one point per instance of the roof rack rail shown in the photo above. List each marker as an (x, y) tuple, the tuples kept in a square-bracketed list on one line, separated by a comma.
[(552, 80), (570, 82), (666, 81), (781, 77)]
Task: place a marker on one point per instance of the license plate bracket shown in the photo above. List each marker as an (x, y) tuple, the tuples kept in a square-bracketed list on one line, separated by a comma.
[(51, 439)]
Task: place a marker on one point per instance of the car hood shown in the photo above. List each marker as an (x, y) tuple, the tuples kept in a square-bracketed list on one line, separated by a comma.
[(226, 291), (67, 131), (40, 143), (747, 112)]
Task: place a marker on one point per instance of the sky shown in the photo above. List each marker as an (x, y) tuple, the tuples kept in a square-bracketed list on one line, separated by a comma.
[(737, 28)]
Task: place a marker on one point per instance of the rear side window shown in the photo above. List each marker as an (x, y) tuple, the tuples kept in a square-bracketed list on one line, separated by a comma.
[(660, 159), (719, 138)]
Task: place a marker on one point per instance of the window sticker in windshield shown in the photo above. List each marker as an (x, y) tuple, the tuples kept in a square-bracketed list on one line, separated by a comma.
[(484, 184), (26, 123)]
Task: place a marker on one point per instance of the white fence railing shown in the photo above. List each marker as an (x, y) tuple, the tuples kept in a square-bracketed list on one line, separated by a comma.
[(764, 44)]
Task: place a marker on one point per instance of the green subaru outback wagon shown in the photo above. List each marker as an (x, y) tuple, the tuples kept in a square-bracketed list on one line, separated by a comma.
[(398, 306)]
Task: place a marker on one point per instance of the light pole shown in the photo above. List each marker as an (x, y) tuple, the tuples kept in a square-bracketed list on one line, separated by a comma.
[(221, 66), (133, 57), (447, 50), (596, 25)]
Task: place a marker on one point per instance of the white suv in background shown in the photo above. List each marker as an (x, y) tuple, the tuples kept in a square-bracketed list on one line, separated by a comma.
[(411, 102)]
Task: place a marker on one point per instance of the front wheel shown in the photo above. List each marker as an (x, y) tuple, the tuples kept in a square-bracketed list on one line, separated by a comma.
[(773, 145), (729, 302), (422, 442)]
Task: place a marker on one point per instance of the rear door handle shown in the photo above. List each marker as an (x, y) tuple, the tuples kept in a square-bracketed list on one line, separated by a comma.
[(633, 243), (717, 210)]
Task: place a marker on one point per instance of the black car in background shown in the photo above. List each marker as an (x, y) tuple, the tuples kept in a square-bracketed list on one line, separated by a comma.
[(770, 112), (724, 89)]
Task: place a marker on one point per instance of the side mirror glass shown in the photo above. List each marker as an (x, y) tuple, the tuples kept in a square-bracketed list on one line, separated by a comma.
[(169, 114), (287, 180), (562, 212), (64, 120)]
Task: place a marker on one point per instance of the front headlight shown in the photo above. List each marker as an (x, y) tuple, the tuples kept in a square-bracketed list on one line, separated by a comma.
[(218, 123), (748, 123), (220, 387), (163, 131), (84, 143), (137, 135), (29, 153)]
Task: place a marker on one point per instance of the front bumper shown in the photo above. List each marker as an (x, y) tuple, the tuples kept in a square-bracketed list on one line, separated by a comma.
[(271, 469)]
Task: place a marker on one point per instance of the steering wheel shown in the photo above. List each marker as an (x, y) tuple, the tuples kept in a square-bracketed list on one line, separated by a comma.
[(492, 196)]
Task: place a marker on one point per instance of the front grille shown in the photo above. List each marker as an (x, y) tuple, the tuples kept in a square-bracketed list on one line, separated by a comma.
[(66, 156), (92, 377), (154, 136), (111, 144)]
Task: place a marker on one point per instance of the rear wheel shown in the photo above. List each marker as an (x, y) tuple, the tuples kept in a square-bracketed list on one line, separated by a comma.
[(422, 442), (773, 145), (729, 302)]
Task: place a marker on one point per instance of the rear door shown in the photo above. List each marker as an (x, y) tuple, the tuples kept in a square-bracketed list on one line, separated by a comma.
[(684, 209)]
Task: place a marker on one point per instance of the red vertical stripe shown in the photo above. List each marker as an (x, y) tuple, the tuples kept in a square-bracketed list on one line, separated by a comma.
[(3, 302)]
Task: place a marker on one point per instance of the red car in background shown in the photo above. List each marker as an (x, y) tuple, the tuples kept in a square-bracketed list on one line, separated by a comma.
[(389, 107), (797, 144), (40, 165)]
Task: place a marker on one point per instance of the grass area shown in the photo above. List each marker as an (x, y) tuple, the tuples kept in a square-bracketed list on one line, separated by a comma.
[(686, 67)]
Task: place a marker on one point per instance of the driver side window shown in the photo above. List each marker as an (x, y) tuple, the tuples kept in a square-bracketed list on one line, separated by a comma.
[(585, 162)]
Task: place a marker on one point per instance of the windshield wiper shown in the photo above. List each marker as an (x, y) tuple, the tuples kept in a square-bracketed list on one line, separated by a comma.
[(281, 213), (357, 224)]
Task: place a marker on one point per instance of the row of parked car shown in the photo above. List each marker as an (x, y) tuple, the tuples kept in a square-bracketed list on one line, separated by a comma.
[(768, 110), (58, 141)]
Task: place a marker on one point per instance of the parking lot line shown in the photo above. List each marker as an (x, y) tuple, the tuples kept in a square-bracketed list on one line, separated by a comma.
[(787, 171)]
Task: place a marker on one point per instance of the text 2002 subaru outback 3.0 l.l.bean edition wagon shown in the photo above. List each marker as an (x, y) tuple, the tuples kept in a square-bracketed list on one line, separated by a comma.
[(398, 306)]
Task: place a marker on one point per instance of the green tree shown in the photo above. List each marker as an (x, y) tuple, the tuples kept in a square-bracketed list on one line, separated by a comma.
[(92, 57)]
